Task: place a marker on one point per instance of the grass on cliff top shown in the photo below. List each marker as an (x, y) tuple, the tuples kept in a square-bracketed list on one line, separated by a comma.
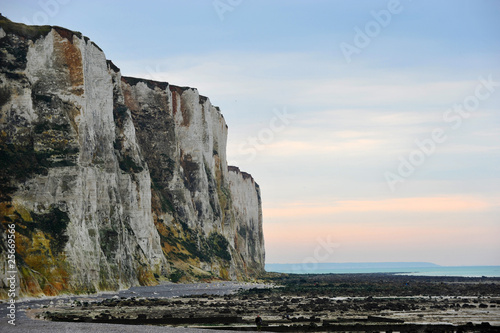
[(32, 32)]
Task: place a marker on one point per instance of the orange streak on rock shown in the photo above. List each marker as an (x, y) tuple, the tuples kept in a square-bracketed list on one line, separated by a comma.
[(70, 55)]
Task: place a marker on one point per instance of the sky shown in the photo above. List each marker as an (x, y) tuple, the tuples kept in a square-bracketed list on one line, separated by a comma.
[(372, 127)]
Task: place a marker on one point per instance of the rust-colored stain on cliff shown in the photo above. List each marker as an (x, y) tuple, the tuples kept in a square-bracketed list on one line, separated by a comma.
[(174, 103), (177, 96), (130, 101), (68, 54), (186, 116)]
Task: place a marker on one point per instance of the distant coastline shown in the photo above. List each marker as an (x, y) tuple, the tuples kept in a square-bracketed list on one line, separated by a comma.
[(402, 268)]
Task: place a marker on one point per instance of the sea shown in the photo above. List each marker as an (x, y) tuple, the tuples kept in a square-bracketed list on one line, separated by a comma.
[(412, 269)]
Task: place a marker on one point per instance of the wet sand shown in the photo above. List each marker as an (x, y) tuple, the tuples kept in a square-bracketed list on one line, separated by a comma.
[(313, 303), (27, 324)]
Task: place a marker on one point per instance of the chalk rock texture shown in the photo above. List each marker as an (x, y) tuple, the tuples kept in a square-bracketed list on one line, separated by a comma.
[(113, 181)]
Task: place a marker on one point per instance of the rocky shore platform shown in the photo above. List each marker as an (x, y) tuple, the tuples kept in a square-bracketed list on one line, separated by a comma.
[(296, 303)]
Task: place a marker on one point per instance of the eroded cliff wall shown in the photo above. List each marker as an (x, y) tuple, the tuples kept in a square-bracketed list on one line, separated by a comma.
[(114, 181)]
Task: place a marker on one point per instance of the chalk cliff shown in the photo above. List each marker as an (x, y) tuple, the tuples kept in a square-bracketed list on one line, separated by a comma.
[(114, 181)]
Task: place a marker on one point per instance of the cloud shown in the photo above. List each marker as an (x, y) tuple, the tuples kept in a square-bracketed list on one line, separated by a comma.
[(282, 78), (491, 133), (351, 125), (470, 148), (380, 91), (442, 244), (323, 149), (417, 204)]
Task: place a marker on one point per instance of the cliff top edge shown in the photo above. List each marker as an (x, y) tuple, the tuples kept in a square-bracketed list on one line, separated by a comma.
[(152, 84), (245, 175), (34, 32)]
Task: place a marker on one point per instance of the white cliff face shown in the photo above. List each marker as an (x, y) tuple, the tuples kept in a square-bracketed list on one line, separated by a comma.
[(112, 181), (65, 99), (198, 143), (247, 210), (183, 138)]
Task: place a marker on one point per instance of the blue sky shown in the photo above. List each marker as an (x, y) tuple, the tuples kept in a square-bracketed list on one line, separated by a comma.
[(352, 119)]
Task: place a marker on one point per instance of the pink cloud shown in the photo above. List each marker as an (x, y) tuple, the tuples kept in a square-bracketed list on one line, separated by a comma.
[(416, 204), (293, 242)]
